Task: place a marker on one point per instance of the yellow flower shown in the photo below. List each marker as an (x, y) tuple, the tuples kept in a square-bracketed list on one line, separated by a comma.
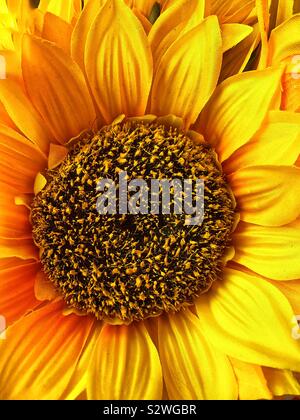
[(150, 308)]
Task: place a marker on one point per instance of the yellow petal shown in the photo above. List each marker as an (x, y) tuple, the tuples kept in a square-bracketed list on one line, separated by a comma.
[(231, 11), (57, 88), (172, 24), (23, 114), (24, 200), (233, 34), (272, 252), (20, 248), (267, 147), (236, 59), (118, 62), (237, 109), (20, 160), (79, 381), (20, 7), (14, 220), (5, 118), (81, 30), (6, 41), (267, 195), (192, 368), (284, 41), (282, 382), (43, 288), (40, 353), (263, 16), (291, 290), (65, 9), (16, 288), (251, 381), (19, 178), (285, 9), (144, 6), (193, 60), (24, 11), (43, 5), (249, 319), (3, 6), (39, 183), (57, 154), (58, 31), (144, 21), (125, 365)]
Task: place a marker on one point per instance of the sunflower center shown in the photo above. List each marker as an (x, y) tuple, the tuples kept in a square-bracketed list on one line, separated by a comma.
[(131, 260)]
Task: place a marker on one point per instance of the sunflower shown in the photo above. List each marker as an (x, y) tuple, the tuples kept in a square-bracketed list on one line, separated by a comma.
[(145, 307)]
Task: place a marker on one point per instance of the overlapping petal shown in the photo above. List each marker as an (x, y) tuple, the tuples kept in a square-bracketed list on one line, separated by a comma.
[(276, 143), (125, 365), (291, 290), (238, 108), (272, 252), (233, 34), (20, 160), (23, 114), (82, 28), (57, 31), (80, 377), (40, 353), (282, 382), (238, 317), (57, 88), (118, 62), (173, 24), (237, 58), (188, 73), (284, 46), (192, 367), (14, 220), (284, 41), (17, 279), (232, 11), (251, 380), (66, 9), (267, 195)]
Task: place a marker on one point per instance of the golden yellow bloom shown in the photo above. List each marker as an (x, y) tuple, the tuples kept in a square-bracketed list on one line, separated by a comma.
[(151, 105)]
